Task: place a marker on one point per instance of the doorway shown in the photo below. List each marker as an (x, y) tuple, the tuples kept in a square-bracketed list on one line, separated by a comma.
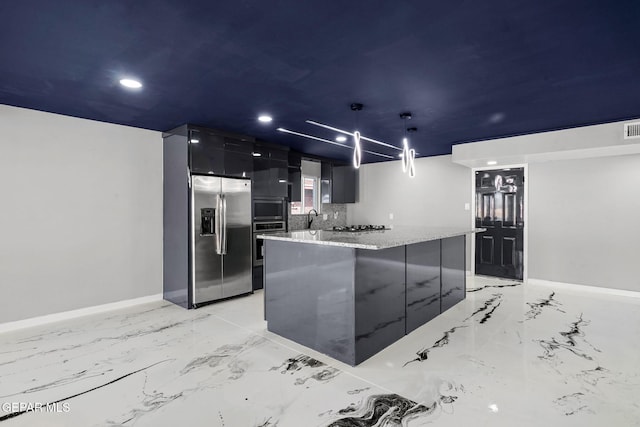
[(500, 208)]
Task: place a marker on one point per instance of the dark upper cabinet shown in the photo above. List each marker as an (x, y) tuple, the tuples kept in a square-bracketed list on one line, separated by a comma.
[(338, 183), (275, 170), (219, 153), (238, 158), (295, 177), (261, 171), (325, 182), (345, 183), (207, 152), (270, 171), (279, 172)]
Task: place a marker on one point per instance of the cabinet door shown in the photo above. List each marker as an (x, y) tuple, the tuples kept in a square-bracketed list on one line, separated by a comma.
[(325, 183), (207, 156), (453, 250), (344, 184), (238, 160), (261, 173), (295, 177), (337, 184), (351, 185), (278, 177), (295, 185)]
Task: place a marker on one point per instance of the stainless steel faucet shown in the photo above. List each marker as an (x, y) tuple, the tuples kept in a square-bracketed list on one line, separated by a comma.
[(309, 219)]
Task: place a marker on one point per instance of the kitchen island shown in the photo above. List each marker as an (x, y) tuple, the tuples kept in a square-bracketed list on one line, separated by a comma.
[(351, 294)]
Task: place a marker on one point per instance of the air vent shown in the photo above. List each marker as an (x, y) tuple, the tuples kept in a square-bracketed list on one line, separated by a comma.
[(632, 130)]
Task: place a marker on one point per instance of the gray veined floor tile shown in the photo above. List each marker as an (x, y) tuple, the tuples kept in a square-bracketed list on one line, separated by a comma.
[(510, 354)]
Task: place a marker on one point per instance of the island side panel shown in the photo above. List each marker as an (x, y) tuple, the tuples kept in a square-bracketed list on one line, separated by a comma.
[(423, 283), (453, 271), (379, 299), (309, 296)]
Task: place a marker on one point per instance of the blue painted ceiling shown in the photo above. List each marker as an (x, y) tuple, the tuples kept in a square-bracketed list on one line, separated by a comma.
[(467, 70)]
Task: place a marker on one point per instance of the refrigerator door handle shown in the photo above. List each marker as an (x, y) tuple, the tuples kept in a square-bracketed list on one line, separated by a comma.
[(224, 225), (218, 227)]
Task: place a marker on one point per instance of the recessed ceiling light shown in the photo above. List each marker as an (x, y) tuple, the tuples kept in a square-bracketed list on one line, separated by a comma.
[(282, 180), (341, 138), (256, 154), (492, 162), (130, 83), (265, 119)]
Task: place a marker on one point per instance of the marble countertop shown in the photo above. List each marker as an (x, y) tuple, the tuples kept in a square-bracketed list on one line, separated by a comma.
[(378, 239)]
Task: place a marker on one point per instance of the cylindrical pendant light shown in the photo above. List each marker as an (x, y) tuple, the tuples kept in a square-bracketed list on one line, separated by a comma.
[(412, 166), (357, 150), (405, 155), (408, 155)]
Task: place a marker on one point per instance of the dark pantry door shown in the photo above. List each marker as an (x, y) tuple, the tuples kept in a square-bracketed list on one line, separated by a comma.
[(500, 209)]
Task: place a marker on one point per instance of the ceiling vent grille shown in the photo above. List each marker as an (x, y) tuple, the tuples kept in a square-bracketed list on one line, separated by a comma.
[(632, 130)]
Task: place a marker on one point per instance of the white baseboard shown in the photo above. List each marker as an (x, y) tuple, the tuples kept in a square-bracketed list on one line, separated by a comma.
[(65, 315), (584, 288)]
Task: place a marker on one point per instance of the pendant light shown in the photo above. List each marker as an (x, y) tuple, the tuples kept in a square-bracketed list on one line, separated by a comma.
[(357, 148), (408, 154)]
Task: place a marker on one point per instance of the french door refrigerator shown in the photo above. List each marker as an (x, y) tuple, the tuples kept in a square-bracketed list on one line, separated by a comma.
[(220, 238)]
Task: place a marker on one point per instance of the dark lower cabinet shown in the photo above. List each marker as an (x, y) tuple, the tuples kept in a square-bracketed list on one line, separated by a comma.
[(423, 283), (453, 271), (351, 303), (258, 281)]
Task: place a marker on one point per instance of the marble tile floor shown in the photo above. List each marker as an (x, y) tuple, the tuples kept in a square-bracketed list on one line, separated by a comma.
[(510, 354)]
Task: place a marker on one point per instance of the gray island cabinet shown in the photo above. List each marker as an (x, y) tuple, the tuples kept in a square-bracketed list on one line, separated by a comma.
[(350, 295)]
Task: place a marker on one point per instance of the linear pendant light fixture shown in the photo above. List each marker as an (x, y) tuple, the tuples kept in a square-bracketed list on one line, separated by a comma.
[(408, 159), (328, 141), (362, 137)]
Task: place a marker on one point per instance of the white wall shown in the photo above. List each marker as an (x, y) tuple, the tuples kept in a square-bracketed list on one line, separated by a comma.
[(584, 221), (583, 204), (575, 143), (435, 197), (80, 213)]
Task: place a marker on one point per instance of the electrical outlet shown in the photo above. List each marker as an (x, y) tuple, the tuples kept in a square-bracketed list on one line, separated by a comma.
[(467, 206), (325, 217), (390, 216)]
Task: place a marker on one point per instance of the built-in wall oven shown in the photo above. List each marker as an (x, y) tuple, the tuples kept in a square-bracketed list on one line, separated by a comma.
[(264, 227), (269, 209)]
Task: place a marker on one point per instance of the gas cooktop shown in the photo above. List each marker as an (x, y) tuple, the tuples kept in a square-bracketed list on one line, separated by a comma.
[(355, 228)]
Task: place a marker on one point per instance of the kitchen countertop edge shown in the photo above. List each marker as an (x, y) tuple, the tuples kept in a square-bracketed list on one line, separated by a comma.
[(372, 240)]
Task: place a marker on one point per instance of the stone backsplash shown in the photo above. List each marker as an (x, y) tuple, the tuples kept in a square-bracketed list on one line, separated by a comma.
[(336, 216)]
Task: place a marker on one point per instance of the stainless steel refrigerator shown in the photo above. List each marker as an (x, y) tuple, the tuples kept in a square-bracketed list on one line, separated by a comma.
[(220, 238)]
